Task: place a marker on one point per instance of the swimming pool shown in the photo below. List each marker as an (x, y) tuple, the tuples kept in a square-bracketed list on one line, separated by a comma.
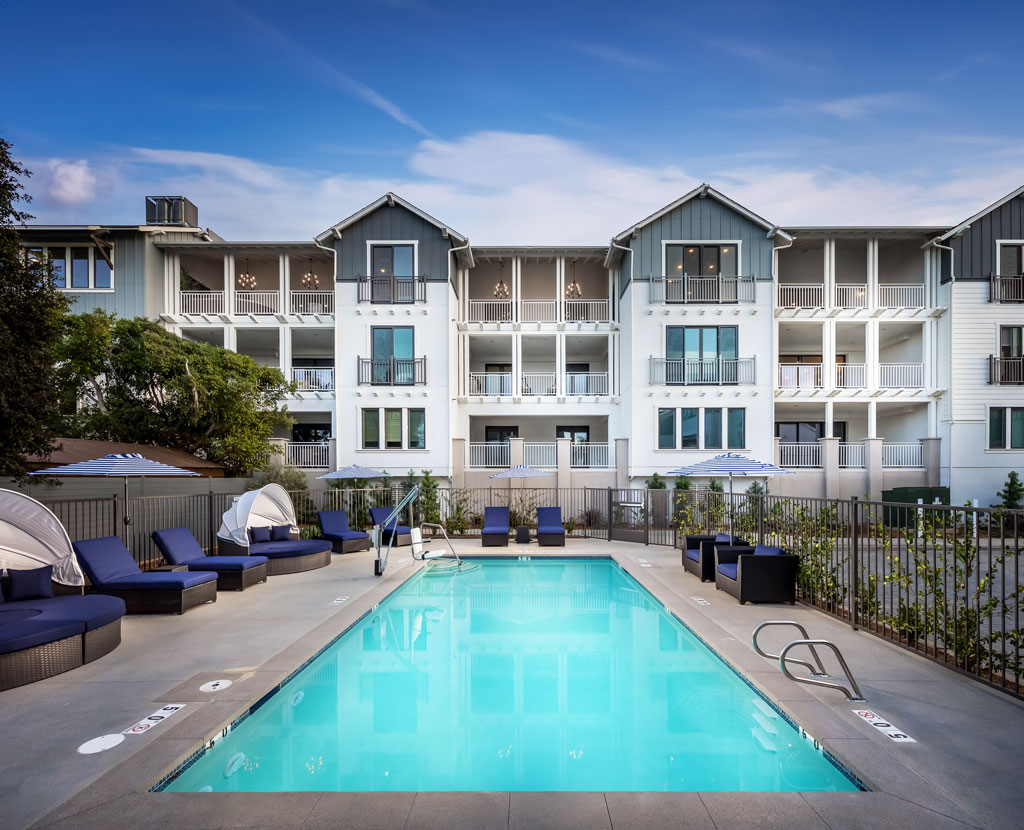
[(543, 674)]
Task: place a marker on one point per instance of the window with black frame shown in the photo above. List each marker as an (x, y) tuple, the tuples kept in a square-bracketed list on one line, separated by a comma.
[(392, 274), (701, 355), (693, 271)]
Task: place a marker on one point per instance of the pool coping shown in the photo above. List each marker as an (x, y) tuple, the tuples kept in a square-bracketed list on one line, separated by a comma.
[(132, 780)]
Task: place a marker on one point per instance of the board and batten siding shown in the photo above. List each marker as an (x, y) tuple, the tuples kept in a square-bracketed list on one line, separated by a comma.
[(392, 223), (974, 252), (703, 220), (128, 299)]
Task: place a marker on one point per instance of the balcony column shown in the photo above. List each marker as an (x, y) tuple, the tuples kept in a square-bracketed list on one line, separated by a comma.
[(622, 463), (777, 451), (611, 364), (873, 463), (872, 275), (829, 276), (563, 460), (871, 355), (560, 289), (517, 290), (281, 456), (872, 419), (458, 463), (284, 352), (830, 464), (231, 338), (229, 283), (828, 358), (931, 459), (283, 269), (332, 454), (517, 366), (516, 456), (829, 418), (560, 366)]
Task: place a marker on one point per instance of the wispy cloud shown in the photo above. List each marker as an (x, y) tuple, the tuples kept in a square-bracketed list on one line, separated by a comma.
[(327, 73), (613, 54), (860, 106), (764, 58), (970, 63)]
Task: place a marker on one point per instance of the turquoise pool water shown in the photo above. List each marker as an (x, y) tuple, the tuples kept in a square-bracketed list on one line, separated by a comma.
[(517, 675)]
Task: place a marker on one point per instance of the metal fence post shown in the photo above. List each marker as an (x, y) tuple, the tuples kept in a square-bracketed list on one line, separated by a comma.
[(609, 514), (647, 517), (855, 562), (760, 519)]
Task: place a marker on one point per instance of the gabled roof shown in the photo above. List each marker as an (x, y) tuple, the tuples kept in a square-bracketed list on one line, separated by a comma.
[(967, 223), (391, 199)]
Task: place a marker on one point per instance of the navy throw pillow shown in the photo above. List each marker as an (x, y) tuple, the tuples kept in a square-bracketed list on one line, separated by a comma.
[(1, 592), (260, 534), (30, 584), (280, 533)]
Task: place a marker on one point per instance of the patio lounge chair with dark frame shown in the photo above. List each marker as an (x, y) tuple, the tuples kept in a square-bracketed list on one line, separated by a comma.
[(111, 570), (379, 515), (549, 527), (496, 527), (234, 573), (334, 528), (756, 574), (699, 554)]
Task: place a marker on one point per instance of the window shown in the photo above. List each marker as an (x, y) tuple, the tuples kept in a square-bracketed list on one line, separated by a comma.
[(688, 419), (417, 429), (391, 260), (701, 260), (371, 429), (578, 435), (713, 429), (1011, 260), (86, 266), (737, 429), (392, 355), (807, 432), (311, 433), (693, 354), (1010, 341), (666, 429), (1006, 428), (393, 429), (500, 435)]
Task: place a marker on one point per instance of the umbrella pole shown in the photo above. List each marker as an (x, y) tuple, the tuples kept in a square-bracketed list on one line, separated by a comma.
[(730, 504)]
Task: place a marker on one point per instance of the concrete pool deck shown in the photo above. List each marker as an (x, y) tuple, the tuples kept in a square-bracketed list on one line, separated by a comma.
[(963, 770)]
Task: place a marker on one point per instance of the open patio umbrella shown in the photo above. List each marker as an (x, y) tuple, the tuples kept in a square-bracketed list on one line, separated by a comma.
[(730, 464), (117, 465), (354, 471), (522, 471)]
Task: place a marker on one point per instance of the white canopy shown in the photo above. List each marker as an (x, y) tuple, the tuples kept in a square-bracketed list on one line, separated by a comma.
[(270, 505), (32, 537)]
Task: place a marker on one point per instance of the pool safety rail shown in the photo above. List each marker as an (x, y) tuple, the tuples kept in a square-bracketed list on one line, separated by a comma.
[(817, 668), (421, 554), (381, 562)]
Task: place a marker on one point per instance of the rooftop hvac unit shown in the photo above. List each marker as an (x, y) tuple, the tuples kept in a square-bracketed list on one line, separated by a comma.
[(171, 210)]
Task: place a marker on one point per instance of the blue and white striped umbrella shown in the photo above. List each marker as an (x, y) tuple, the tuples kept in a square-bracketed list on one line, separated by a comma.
[(730, 464), (119, 464), (521, 471), (354, 471)]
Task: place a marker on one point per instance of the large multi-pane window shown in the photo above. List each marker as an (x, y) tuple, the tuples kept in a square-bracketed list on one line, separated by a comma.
[(701, 428), (393, 361), (394, 429), (694, 354), (1006, 428), (1011, 259), (391, 260), (78, 267), (701, 260)]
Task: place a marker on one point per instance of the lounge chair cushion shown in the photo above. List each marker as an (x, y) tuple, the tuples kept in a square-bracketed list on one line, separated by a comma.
[(766, 550), (549, 520), (105, 559), (345, 535), (225, 563), (178, 545), (259, 534), (33, 583), (94, 610), (693, 555), (280, 533), (495, 521), (293, 547), (728, 569), (379, 515), (723, 537), (27, 633), (155, 581), (334, 525)]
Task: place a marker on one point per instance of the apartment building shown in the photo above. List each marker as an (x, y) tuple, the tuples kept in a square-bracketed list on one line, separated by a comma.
[(860, 358)]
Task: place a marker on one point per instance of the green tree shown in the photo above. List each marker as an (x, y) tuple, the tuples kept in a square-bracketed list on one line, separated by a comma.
[(656, 482), (32, 310), (1012, 493), (133, 381)]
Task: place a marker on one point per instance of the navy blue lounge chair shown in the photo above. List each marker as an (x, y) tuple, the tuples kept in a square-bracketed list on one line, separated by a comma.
[(234, 573), (111, 570), (334, 528), (699, 554), (496, 527), (379, 515), (761, 573), (549, 527)]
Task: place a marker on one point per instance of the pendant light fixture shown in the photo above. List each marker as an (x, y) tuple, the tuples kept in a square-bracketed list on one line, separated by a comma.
[(501, 290), (573, 290), (310, 281), (246, 280)]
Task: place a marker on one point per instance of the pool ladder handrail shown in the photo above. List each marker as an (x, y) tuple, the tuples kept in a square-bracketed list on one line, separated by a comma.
[(423, 555), (381, 562), (783, 656)]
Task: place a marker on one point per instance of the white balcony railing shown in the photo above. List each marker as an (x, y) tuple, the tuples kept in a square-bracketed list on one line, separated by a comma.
[(490, 383), (539, 311), (901, 455), (899, 295), (851, 296), (490, 311), (851, 375), (687, 289), (540, 455), (491, 454), (710, 371), (851, 455), (202, 302), (901, 375), (590, 454), (308, 455), (312, 302), (586, 383), (539, 383), (319, 379), (587, 311), (799, 375), (800, 455), (809, 295), (257, 302)]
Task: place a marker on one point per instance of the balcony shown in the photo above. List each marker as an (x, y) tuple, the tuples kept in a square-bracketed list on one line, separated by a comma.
[(539, 383), (587, 311), (851, 375), (543, 455), (393, 371), (718, 371), (539, 311), (392, 290), (257, 303), (1008, 289), (851, 296), (590, 455), (902, 455), (490, 383), (491, 454), (1008, 371), (540, 455), (801, 295), (490, 311), (202, 302), (311, 302), (800, 376), (687, 289), (800, 455), (901, 375), (586, 383), (319, 379), (308, 455), (852, 455), (901, 295)]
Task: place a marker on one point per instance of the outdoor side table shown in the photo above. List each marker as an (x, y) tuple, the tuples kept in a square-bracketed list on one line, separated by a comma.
[(522, 535)]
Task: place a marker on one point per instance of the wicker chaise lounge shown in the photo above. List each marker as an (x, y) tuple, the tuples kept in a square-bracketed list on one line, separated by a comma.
[(334, 528), (111, 570), (379, 515), (756, 574), (496, 527), (549, 527), (699, 554), (234, 573)]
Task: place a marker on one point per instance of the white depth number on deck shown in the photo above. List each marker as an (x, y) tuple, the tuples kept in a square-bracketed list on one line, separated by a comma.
[(700, 601), (883, 726)]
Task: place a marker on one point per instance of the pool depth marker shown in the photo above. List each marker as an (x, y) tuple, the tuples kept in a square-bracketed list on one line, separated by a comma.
[(893, 733)]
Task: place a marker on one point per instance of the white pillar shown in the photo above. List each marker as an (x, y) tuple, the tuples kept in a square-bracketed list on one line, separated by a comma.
[(517, 364), (872, 419), (517, 289), (284, 351), (872, 273), (229, 284), (829, 418), (871, 353), (933, 419), (282, 282), (829, 277), (560, 289)]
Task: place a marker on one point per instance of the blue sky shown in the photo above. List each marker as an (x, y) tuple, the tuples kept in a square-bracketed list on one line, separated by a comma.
[(538, 123)]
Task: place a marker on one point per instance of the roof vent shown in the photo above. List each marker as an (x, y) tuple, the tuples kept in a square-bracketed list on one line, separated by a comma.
[(171, 210)]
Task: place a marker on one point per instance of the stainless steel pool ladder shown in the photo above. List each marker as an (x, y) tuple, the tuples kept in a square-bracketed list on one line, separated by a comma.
[(817, 668)]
